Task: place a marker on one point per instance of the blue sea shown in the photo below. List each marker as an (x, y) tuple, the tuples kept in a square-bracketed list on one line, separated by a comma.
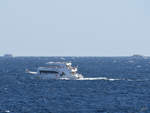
[(124, 89)]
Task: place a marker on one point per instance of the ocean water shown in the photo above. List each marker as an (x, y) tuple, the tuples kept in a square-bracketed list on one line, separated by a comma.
[(115, 85)]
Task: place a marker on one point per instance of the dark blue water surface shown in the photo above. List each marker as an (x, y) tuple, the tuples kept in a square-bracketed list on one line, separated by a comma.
[(128, 92)]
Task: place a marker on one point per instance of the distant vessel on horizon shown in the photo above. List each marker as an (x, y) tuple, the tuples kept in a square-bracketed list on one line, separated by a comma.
[(8, 56), (138, 56)]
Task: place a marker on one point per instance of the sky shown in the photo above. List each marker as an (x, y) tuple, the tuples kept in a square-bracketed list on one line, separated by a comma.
[(75, 27)]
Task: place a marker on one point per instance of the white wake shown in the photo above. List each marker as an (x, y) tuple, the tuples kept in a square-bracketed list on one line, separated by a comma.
[(99, 78), (93, 78)]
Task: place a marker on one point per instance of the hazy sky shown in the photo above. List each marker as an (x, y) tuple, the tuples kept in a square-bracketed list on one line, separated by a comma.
[(74, 27)]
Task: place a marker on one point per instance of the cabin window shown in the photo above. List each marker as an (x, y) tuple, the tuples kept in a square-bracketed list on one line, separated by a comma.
[(62, 74), (48, 72)]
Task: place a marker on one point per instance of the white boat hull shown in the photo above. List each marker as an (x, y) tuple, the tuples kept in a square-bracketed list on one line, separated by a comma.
[(52, 76)]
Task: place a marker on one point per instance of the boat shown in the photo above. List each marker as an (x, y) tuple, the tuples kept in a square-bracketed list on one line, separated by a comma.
[(8, 56), (57, 70)]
